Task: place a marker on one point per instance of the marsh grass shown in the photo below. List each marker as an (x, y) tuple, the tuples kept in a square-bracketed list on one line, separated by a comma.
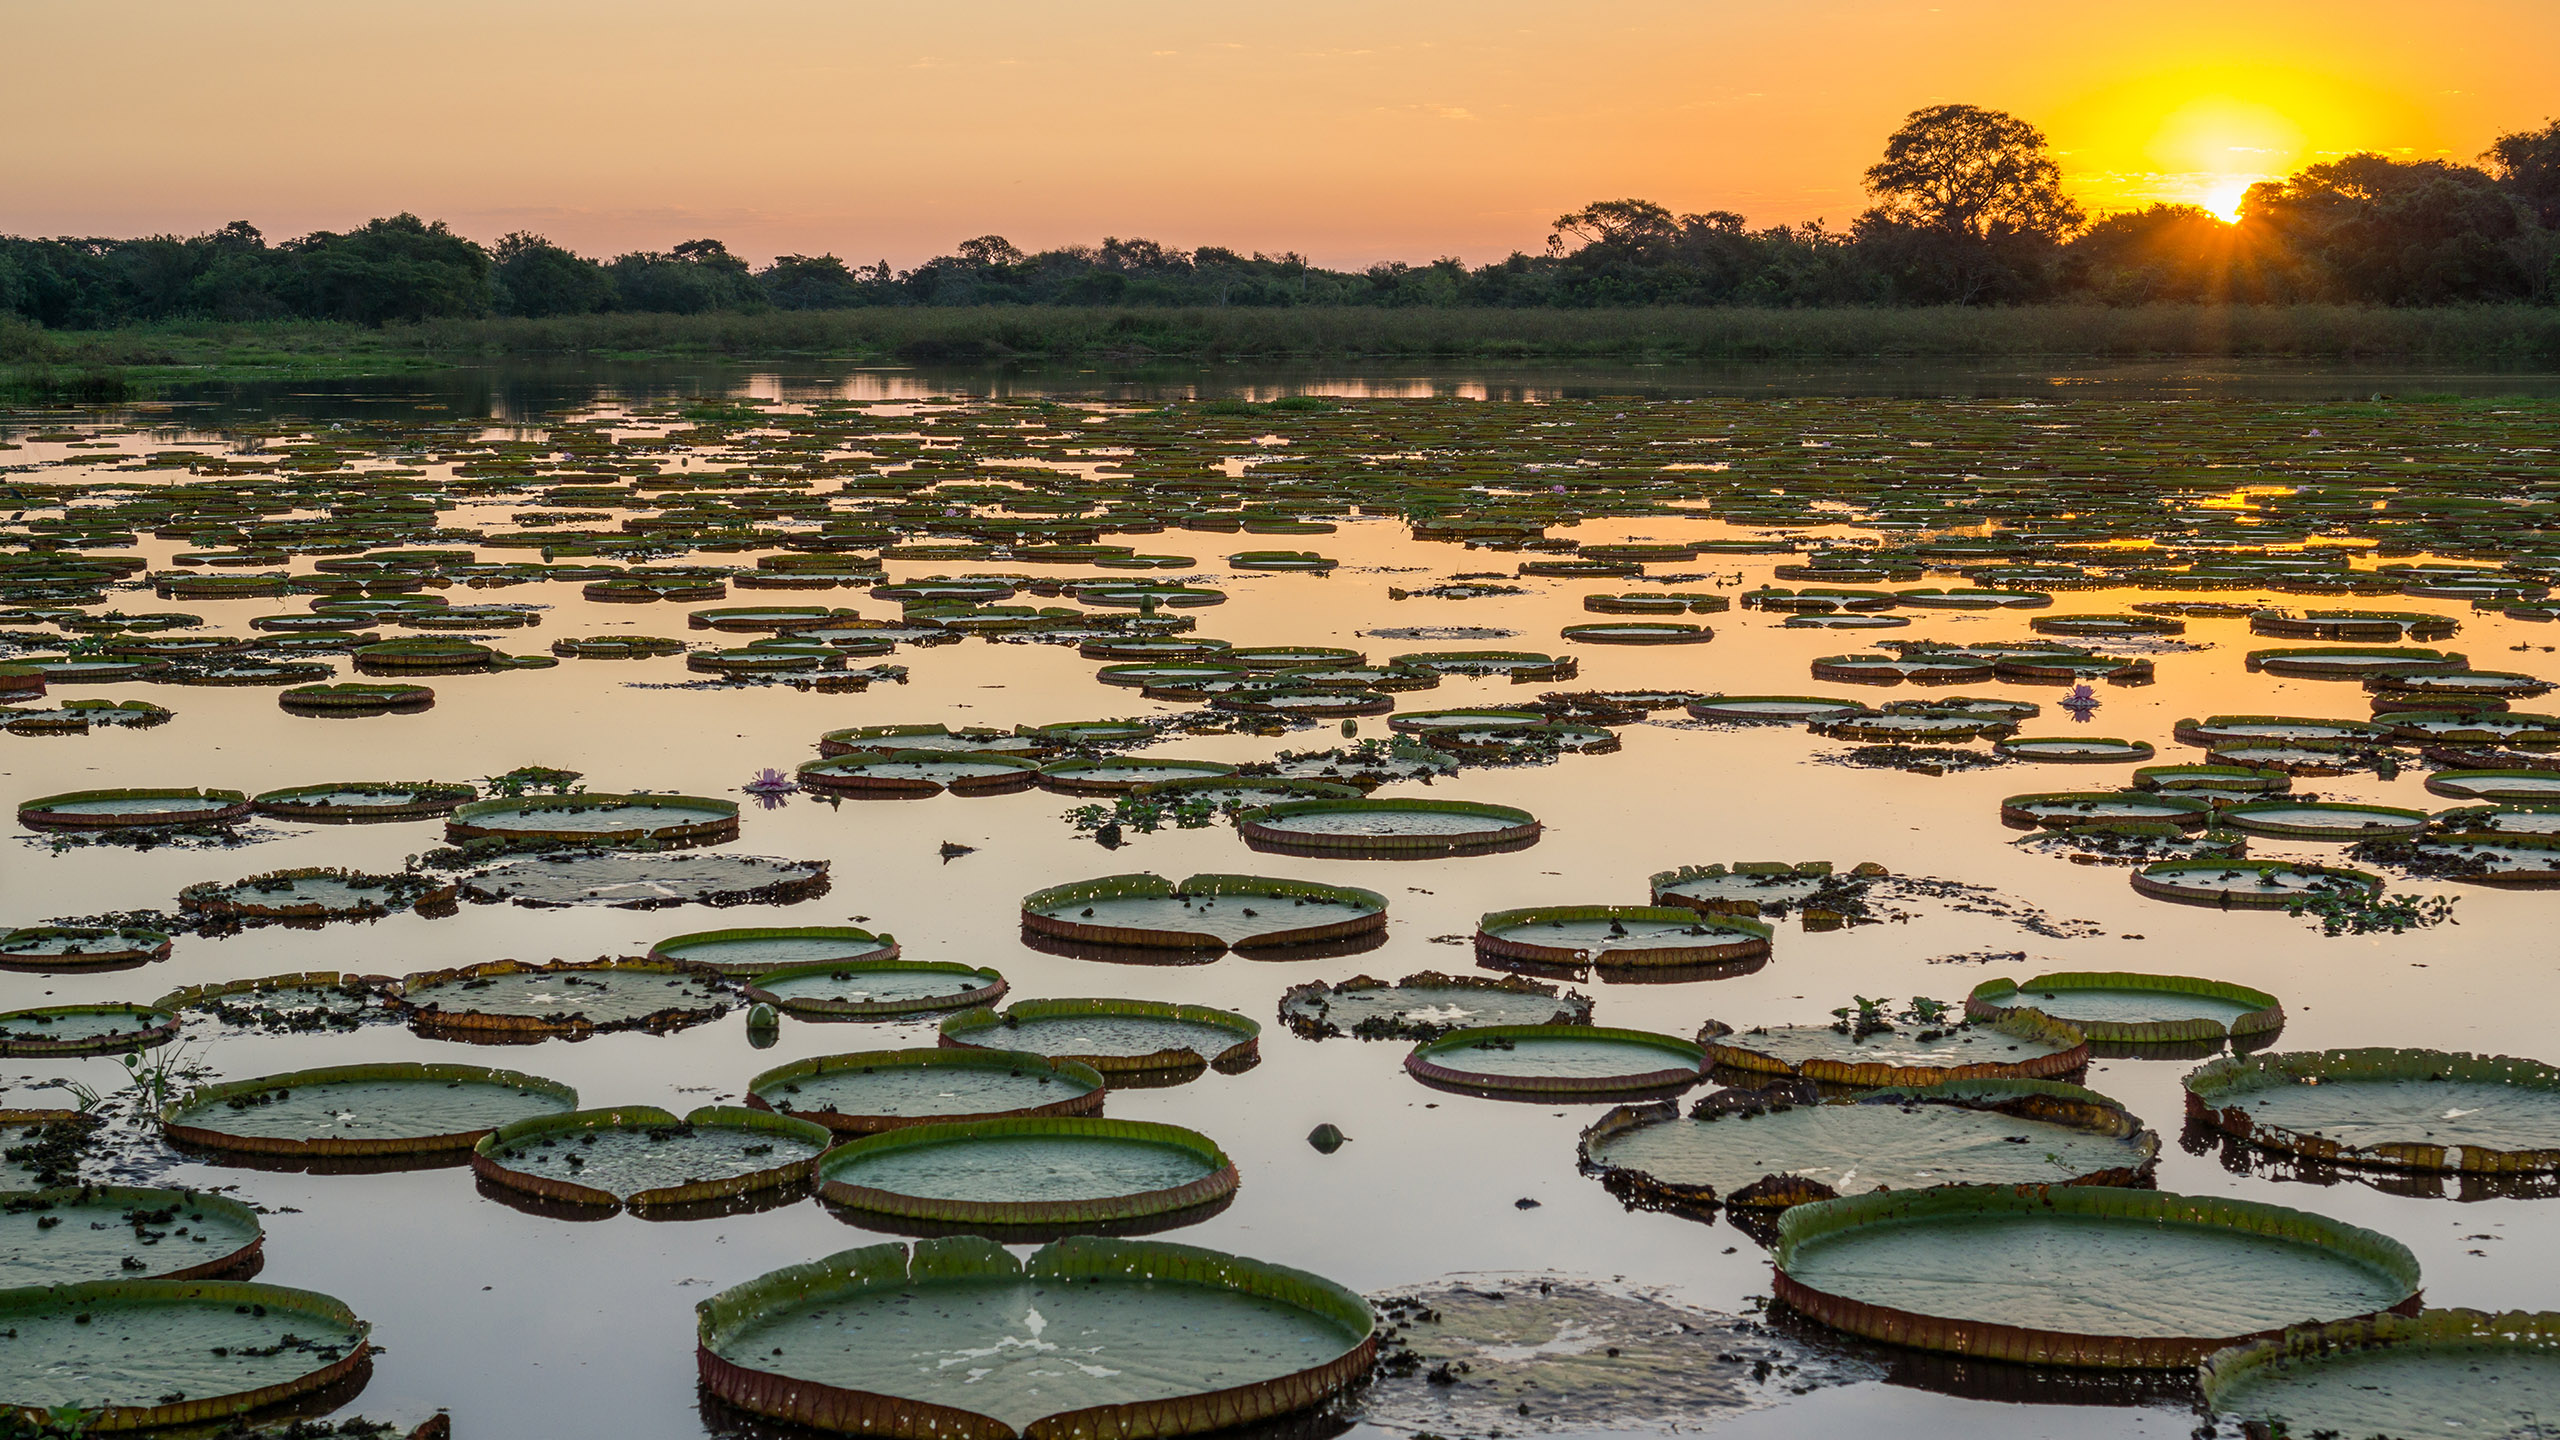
[(108, 364)]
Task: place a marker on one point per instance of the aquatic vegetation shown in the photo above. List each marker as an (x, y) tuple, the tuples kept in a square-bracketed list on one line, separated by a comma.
[(150, 1363), (2437, 1369), (2393, 1109)]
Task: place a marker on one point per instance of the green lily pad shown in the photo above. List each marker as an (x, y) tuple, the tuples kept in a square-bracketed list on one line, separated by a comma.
[(597, 819), (860, 989), (2440, 1372), (572, 998), (2394, 1109), (1426, 1006), (80, 947), (1543, 1062), (1205, 912), (876, 1090), (1116, 1037), (1620, 935), (640, 1155), (2013, 1047), (1041, 1171), (399, 1108), (2126, 1008), (1388, 828), (161, 1352), (111, 1232), (84, 1029), (745, 953)]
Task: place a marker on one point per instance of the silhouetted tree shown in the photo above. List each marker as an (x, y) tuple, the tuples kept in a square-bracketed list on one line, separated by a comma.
[(2371, 228), (695, 276), (811, 282), (536, 278), (1969, 205), (401, 268)]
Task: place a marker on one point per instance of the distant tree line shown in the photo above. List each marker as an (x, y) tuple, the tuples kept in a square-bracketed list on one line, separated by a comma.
[(1968, 209)]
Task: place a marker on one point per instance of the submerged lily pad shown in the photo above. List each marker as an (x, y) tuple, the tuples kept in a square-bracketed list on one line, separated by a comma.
[(2393, 1109), (1116, 1037), (646, 882), (1748, 1149), (990, 1175), (2439, 1372), (138, 1353), (1388, 829), (84, 1029), (875, 1090), (1205, 912), (572, 997), (1426, 1006), (399, 1108), (862, 989), (948, 1340), (1543, 1062), (756, 950), (113, 1232), (2124, 1008), (639, 1155), (2079, 1275)]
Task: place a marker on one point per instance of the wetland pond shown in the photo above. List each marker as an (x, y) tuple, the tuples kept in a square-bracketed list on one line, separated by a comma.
[(1031, 531)]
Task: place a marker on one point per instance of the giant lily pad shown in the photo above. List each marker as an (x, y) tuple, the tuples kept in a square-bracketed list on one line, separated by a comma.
[(1426, 1006), (2306, 820), (80, 947), (996, 1175), (2075, 750), (1388, 829), (918, 773), (126, 809), (2280, 729), (134, 1354), (2123, 1008), (2394, 1109), (1756, 887), (1546, 1062), (286, 1004), (1205, 912), (1116, 1037), (894, 739), (356, 698), (2079, 1275), (1118, 775), (564, 998), (2320, 662), (960, 1341), (362, 800), (598, 819), (1771, 709), (2531, 786), (84, 1029), (1752, 1150), (639, 1155), (866, 989), (2251, 884), (645, 882), (875, 1090), (1620, 935), (318, 893), (114, 1232), (401, 1108), (2012, 1047), (2439, 1372), (2056, 810), (756, 950)]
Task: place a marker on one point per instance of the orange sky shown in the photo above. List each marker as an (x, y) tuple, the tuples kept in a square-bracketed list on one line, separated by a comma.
[(1401, 129)]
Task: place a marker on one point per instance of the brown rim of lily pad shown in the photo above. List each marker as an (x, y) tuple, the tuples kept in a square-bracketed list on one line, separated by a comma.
[(196, 806), (2161, 881), (843, 774), (1727, 1047), (205, 1097), (2050, 1102), (1211, 1189), (1155, 887), (1305, 703), (237, 1263), (2075, 749), (2187, 812), (1088, 1101), (991, 988), (1996, 997), (971, 1028), (1077, 1258), (1423, 1063), (433, 1016), (883, 946), (2217, 1094), (400, 890), (1261, 830), (486, 1164), (427, 798), (189, 996), (356, 698), (134, 946), (1572, 1006), (1105, 776), (1638, 632), (2463, 1332), (479, 819), (1993, 1340), (1729, 937), (877, 739), (160, 1028), (240, 1295)]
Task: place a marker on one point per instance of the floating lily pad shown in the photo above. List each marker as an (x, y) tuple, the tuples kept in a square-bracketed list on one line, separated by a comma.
[(574, 998), (124, 809), (286, 1004), (2054, 810), (2079, 1275), (401, 1108), (646, 882), (893, 739), (2392, 1109), (864, 989), (1205, 912), (79, 717), (1388, 829), (1426, 1006), (598, 819), (1639, 632), (2439, 1372), (1118, 775), (1754, 1150), (2305, 820), (1518, 664), (2124, 1008), (2524, 785), (84, 1029), (2075, 749), (1620, 935), (2279, 729), (753, 951), (2211, 780), (1116, 1037), (2106, 626), (1753, 887), (2487, 857), (2256, 884), (919, 773), (639, 1155), (2353, 663), (356, 698), (318, 893), (875, 1090), (1169, 1340), (113, 1232), (1545, 1062), (80, 947), (356, 801), (1922, 668), (2461, 684), (998, 1175), (2012, 1047), (142, 1353)]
